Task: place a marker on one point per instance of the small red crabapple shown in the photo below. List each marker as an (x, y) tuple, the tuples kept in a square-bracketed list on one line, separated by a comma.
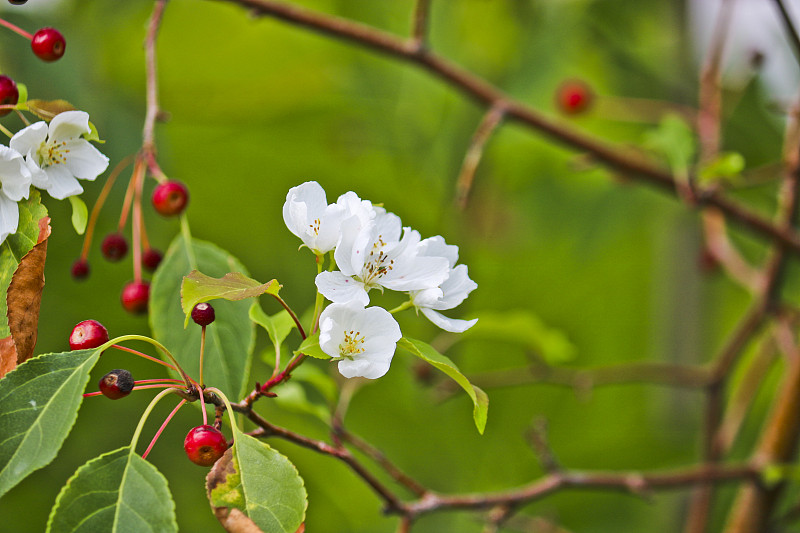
[(88, 334), (135, 296), (170, 198), (574, 97), (204, 445), (151, 258), (114, 247), (48, 44), (9, 94), (116, 384)]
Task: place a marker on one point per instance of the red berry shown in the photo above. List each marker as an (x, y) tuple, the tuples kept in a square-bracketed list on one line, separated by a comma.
[(135, 296), (203, 314), (116, 384), (17, 2), (170, 198), (9, 95), (48, 44), (114, 247), (80, 269), (88, 334), (151, 259), (573, 97), (204, 445)]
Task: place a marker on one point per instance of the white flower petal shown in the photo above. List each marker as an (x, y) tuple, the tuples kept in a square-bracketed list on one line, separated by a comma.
[(9, 217), (437, 247), (417, 274), (29, 139), (39, 177), (455, 288), (69, 125), (84, 160), (453, 325), (361, 368), (14, 174), (339, 288), (61, 183)]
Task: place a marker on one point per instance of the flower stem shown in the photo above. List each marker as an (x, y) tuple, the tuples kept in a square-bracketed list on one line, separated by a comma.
[(146, 413), (16, 29), (292, 314), (318, 301), (6, 130), (164, 425), (402, 307)]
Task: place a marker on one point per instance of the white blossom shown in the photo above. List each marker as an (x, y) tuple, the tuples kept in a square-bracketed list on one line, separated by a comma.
[(371, 254), (15, 184), (57, 155), (362, 340), (450, 293)]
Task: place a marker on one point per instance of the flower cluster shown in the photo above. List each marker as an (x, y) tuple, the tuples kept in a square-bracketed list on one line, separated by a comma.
[(372, 250), (51, 157)]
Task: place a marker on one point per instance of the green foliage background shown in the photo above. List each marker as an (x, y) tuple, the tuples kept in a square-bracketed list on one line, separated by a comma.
[(257, 106)]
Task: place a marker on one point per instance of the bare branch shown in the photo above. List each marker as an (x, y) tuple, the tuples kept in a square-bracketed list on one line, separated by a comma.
[(491, 120), (419, 32)]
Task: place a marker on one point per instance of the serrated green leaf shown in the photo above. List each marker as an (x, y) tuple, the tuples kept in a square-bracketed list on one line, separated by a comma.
[(427, 353), (39, 402), (80, 214), (198, 287), (525, 328), (260, 482), (14, 248), (278, 326), (230, 339), (310, 347), (118, 492)]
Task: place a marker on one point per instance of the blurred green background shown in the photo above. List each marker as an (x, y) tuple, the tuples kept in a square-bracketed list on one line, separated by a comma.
[(257, 106)]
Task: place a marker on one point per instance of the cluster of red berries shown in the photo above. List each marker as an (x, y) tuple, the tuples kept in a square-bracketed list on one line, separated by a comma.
[(49, 45), (170, 198), (204, 444)]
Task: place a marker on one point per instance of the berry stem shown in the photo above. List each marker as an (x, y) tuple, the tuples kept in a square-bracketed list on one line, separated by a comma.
[(22, 117), (203, 406), (186, 379), (16, 29), (147, 412), (159, 380), (137, 224), (128, 201), (149, 357), (101, 199), (164, 425), (3, 128), (202, 352)]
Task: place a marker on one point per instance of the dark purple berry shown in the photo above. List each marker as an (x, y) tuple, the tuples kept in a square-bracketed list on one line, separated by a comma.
[(80, 269), (203, 314), (151, 259), (114, 247)]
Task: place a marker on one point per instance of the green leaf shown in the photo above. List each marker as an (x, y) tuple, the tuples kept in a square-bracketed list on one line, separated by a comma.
[(230, 339), (39, 402), (525, 328), (93, 135), (726, 166), (675, 140), (427, 353), (23, 95), (14, 248), (310, 346), (261, 483), (198, 287), (80, 215), (117, 492), (278, 326), (292, 397)]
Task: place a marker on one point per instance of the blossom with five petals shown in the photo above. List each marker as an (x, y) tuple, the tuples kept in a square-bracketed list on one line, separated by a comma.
[(373, 255), (363, 340), (15, 184), (56, 154)]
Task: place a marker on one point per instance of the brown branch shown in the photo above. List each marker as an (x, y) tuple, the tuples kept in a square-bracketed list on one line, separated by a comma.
[(491, 120), (487, 94), (419, 32)]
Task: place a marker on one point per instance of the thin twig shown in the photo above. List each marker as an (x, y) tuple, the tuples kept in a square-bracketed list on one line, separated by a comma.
[(419, 31), (491, 120), (791, 30)]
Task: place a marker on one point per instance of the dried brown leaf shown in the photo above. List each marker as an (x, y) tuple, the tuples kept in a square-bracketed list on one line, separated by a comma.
[(233, 520), (47, 109)]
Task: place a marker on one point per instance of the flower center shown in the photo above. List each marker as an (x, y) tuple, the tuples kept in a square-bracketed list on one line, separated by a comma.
[(377, 263), (315, 226), (352, 344), (53, 153)]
